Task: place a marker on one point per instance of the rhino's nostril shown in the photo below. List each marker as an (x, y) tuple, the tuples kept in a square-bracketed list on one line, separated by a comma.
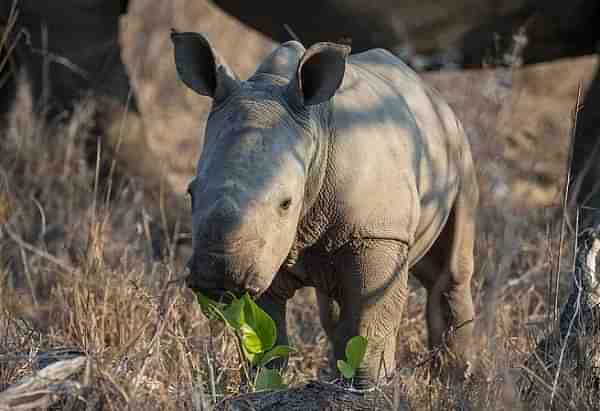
[(226, 207)]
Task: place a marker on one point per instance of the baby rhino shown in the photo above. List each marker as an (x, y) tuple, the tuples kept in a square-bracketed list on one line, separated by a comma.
[(340, 173)]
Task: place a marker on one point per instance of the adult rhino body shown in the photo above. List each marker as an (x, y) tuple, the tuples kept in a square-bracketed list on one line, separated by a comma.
[(69, 49), (336, 172)]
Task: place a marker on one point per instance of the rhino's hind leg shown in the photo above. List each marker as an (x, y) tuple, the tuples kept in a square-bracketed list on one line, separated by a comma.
[(373, 289), (446, 273)]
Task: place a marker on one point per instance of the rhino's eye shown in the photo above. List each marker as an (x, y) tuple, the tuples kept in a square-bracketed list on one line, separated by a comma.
[(285, 204)]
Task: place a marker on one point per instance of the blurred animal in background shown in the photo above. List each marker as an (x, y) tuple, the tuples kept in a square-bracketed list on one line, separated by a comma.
[(69, 50)]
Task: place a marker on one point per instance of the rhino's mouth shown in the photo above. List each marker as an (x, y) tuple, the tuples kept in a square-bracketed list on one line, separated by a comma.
[(213, 291), (221, 276), (220, 294)]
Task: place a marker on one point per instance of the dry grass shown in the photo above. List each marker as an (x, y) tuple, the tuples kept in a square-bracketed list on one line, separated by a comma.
[(78, 271)]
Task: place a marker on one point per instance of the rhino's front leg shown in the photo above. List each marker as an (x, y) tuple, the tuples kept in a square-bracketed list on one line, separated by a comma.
[(373, 289), (276, 308), (274, 302)]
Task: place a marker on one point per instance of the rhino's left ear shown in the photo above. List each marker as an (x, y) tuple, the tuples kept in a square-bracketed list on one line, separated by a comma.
[(200, 67), (319, 73)]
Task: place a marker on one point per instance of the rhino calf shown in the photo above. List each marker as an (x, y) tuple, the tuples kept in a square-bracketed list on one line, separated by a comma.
[(336, 172)]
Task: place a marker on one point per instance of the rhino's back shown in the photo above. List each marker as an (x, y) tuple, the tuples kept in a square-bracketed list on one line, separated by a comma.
[(397, 147)]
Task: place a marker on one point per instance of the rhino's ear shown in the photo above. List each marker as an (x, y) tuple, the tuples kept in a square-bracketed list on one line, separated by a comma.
[(319, 73), (200, 68)]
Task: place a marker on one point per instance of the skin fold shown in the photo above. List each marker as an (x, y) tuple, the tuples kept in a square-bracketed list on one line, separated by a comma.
[(337, 172)]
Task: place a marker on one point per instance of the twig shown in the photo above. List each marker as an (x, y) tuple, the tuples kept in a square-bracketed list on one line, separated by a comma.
[(525, 278), (291, 32), (211, 377), (12, 20), (554, 287), (116, 386), (542, 383), (28, 277), (123, 123), (21, 243), (579, 286), (42, 216)]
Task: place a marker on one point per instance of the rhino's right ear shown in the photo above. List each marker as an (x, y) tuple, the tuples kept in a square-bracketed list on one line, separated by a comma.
[(320, 73), (200, 68)]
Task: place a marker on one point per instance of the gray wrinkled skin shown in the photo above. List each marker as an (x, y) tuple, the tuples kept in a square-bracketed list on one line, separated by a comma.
[(340, 173)]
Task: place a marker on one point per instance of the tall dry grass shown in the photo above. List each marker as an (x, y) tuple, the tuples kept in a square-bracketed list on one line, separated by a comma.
[(78, 270)]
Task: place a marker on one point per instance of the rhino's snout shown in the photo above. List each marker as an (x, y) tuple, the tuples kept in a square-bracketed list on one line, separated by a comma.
[(227, 247), (225, 230), (224, 208), (218, 225)]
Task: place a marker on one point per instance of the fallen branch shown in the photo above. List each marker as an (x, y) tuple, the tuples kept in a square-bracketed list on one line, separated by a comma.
[(41, 253), (44, 388), (312, 396)]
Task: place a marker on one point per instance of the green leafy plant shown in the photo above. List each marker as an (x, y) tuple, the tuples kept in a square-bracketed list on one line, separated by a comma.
[(268, 379), (256, 333), (356, 347)]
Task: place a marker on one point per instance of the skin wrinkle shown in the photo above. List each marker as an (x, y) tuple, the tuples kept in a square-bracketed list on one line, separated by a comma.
[(262, 109), (373, 187)]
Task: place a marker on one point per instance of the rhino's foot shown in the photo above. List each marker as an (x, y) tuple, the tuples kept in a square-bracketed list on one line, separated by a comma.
[(447, 367), (363, 381)]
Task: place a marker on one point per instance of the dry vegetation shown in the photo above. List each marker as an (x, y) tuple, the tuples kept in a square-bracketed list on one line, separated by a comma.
[(77, 268)]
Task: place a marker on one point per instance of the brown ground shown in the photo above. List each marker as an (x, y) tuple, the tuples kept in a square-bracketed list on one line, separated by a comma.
[(152, 348)]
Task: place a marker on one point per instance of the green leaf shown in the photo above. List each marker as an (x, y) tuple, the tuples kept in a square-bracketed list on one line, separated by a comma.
[(276, 352), (234, 313), (259, 321), (268, 380), (346, 369), (206, 304), (250, 340), (209, 307), (356, 348), (253, 358)]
